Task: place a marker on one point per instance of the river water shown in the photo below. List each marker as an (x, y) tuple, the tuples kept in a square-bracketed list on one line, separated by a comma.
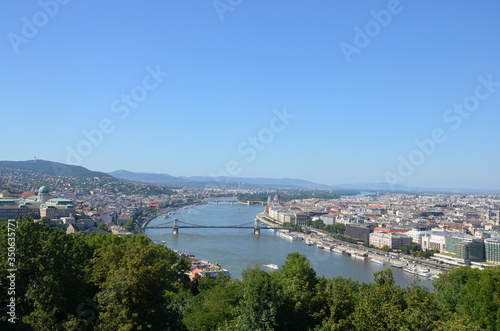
[(236, 249)]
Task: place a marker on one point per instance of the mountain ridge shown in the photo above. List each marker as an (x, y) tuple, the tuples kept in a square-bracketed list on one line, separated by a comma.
[(53, 168)]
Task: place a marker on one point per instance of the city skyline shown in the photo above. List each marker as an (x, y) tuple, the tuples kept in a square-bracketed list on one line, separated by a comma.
[(335, 93)]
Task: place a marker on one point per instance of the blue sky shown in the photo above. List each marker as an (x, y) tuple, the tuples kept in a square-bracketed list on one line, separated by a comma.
[(355, 84)]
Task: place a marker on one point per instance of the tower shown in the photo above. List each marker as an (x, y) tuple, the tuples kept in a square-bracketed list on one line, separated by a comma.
[(43, 194)]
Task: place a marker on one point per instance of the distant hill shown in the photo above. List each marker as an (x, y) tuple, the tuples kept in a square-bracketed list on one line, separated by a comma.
[(53, 168), (280, 182), (163, 179), (200, 181)]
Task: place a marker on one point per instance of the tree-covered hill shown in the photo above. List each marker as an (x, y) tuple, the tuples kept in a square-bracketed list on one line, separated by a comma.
[(53, 168)]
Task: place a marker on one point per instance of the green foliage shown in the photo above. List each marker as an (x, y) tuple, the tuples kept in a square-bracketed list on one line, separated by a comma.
[(260, 303), (106, 282), (471, 294), (386, 248), (214, 306), (132, 279), (408, 249), (425, 254)]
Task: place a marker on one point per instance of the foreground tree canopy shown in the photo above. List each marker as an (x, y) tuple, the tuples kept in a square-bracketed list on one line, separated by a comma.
[(105, 282)]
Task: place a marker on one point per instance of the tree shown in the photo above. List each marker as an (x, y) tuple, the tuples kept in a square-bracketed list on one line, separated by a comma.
[(214, 306), (340, 298), (134, 280), (260, 303), (50, 282), (297, 285), (386, 248), (471, 293), (318, 224)]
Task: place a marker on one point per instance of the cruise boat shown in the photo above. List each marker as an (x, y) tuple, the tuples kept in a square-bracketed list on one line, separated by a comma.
[(325, 246), (423, 273), (289, 236), (360, 256), (415, 271), (336, 250), (378, 261)]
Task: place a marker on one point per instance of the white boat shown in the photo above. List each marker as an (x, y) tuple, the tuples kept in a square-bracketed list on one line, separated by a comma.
[(272, 266), (397, 265), (415, 271), (378, 261), (336, 250), (163, 242), (434, 277), (289, 236), (423, 273), (309, 242), (324, 246)]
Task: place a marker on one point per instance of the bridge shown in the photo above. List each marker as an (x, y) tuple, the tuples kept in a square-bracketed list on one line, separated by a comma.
[(174, 225), (232, 202)]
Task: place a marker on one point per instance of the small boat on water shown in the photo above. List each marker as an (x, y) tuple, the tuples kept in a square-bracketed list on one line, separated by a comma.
[(378, 261), (360, 256), (415, 271), (397, 265), (309, 242), (289, 236), (324, 246), (272, 266), (163, 242), (337, 250)]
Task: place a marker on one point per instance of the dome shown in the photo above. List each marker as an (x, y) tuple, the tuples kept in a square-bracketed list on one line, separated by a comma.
[(43, 189)]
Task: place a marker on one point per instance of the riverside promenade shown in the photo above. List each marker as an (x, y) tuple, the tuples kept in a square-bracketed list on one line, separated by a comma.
[(373, 253)]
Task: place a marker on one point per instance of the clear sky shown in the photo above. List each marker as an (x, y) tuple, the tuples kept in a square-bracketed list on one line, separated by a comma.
[(330, 91)]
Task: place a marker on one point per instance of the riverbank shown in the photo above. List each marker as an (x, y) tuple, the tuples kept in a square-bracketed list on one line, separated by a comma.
[(371, 253)]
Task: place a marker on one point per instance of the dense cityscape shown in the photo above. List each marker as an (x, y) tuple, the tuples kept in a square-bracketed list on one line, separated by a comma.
[(424, 233)]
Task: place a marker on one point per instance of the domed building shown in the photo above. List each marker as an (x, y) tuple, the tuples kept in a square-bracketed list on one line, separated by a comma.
[(43, 194), (36, 206)]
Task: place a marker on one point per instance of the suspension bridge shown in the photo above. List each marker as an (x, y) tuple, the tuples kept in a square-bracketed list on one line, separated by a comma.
[(175, 225)]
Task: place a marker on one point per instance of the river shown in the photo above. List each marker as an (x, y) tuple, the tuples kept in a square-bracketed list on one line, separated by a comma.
[(237, 249)]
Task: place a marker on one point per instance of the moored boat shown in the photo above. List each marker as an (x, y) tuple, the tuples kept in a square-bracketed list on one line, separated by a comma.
[(289, 236), (415, 271), (378, 261), (360, 256), (336, 250)]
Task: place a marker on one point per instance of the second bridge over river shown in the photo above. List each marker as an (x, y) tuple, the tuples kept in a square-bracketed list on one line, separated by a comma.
[(175, 225)]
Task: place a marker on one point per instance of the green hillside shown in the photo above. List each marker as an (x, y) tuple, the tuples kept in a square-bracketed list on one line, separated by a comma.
[(53, 168)]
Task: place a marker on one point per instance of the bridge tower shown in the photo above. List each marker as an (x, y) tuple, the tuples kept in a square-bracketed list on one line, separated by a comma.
[(256, 227), (175, 226)]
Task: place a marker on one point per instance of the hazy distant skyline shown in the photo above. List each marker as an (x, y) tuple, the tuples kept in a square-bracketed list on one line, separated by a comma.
[(328, 91)]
